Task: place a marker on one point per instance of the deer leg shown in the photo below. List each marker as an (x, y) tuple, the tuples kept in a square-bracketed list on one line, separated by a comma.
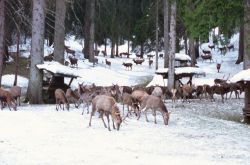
[(129, 110), (122, 109), (92, 114), (103, 120), (154, 114), (75, 104), (113, 123), (139, 115), (1, 105), (146, 116), (63, 105), (83, 110), (9, 106), (56, 104), (222, 97), (107, 115), (14, 106), (88, 108), (19, 101), (237, 94), (231, 95)]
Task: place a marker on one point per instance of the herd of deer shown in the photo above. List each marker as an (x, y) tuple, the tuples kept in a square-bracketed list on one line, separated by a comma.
[(137, 99), (140, 99), (105, 101), (207, 55)]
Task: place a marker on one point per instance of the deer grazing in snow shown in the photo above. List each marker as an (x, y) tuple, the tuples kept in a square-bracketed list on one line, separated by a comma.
[(106, 105), (155, 104), (61, 99)]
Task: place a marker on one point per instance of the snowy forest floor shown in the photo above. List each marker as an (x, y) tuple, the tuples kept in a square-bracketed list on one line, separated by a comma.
[(200, 132)]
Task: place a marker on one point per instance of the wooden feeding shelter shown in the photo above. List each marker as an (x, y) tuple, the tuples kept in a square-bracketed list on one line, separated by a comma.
[(182, 60), (54, 74), (180, 72), (244, 76)]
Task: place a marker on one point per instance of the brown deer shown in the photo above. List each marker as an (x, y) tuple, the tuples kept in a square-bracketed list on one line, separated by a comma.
[(106, 105), (72, 97), (127, 65), (7, 97), (138, 61), (16, 93), (230, 46), (155, 104), (73, 61), (150, 62), (207, 57), (211, 46), (61, 99), (49, 57), (108, 63), (69, 51)]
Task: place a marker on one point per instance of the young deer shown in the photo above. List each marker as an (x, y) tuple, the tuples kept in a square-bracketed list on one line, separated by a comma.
[(108, 63)]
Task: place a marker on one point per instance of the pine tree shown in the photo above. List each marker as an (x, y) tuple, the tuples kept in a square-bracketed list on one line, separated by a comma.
[(37, 52), (2, 21)]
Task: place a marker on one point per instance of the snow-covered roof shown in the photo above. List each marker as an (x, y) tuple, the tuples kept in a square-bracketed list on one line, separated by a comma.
[(182, 57), (57, 68), (157, 80), (182, 70), (243, 75)]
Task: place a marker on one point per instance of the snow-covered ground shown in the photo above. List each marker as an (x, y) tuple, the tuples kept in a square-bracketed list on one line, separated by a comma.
[(200, 132)]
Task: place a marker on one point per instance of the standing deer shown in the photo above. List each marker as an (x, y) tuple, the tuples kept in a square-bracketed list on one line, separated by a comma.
[(218, 66), (107, 106), (155, 104)]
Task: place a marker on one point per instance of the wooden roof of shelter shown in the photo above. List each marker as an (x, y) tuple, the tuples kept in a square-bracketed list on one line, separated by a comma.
[(181, 72), (182, 57), (57, 69), (243, 75)]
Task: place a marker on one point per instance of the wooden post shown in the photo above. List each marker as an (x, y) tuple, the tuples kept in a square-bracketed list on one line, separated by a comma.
[(246, 109)]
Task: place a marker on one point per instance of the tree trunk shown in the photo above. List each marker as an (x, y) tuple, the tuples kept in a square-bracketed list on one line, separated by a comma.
[(185, 44), (142, 46), (196, 46), (2, 21), (246, 109), (112, 48), (166, 33), (241, 47), (59, 31), (37, 52), (117, 47), (171, 78), (156, 35), (86, 30), (92, 31), (105, 45), (17, 58), (128, 46), (192, 51)]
